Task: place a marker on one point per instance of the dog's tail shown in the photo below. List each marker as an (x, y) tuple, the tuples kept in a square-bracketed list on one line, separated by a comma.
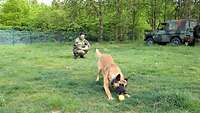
[(98, 53)]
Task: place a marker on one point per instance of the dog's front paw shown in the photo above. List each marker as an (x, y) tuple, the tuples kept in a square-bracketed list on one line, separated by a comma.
[(127, 95), (110, 98)]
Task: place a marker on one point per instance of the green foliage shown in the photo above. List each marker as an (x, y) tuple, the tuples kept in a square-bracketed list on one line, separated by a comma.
[(103, 19), (14, 12)]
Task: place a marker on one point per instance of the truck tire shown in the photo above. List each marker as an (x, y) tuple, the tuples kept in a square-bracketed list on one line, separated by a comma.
[(175, 41), (149, 41)]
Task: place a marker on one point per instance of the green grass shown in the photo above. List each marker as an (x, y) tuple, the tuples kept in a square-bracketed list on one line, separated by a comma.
[(41, 78)]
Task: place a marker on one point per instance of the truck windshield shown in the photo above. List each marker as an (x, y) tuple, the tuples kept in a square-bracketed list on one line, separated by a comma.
[(162, 26), (172, 26)]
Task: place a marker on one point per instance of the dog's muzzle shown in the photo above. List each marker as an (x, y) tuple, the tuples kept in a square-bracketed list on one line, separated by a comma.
[(120, 90)]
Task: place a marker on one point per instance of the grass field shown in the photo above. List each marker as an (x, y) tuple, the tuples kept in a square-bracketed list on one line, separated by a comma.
[(41, 78)]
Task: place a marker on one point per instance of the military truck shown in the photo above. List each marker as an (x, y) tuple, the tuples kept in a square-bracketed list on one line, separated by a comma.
[(175, 32)]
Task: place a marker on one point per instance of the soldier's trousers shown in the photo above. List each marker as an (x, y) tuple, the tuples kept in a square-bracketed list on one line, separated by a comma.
[(79, 52)]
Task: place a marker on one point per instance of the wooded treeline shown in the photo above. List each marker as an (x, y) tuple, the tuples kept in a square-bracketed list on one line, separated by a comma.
[(100, 19)]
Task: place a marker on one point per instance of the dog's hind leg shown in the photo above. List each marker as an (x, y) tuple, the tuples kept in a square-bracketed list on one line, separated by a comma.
[(106, 88), (99, 72), (97, 79)]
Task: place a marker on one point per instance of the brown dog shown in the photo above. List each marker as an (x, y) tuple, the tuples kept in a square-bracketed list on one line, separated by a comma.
[(112, 75)]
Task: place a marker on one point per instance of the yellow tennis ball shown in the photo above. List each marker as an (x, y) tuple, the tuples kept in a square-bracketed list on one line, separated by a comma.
[(121, 97)]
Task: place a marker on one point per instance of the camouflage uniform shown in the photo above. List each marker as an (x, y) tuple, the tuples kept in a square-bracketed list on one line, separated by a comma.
[(81, 47), (196, 32)]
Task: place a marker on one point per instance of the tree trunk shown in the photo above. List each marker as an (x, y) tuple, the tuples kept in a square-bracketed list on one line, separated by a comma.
[(198, 11), (165, 10), (99, 12), (100, 16), (119, 35), (153, 11)]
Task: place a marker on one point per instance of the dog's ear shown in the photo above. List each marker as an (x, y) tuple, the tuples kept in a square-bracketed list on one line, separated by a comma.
[(118, 77), (126, 79)]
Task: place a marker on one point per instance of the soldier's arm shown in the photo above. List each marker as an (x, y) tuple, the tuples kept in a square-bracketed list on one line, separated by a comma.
[(76, 42), (87, 43), (77, 45)]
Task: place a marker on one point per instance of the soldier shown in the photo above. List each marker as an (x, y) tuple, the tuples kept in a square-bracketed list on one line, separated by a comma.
[(196, 32), (81, 46)]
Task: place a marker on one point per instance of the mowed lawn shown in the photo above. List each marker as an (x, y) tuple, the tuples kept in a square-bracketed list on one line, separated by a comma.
[(42, 78)]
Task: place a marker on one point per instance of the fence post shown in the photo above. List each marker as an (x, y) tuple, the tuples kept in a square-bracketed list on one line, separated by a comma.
[(30, 39), (13, 40)]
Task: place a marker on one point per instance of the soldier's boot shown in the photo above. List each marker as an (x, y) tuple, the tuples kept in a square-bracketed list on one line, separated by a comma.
[(75, 56), (82, 56)]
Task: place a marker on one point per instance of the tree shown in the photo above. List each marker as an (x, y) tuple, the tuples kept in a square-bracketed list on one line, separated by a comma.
[(14, 12), (133, 13), (119, 26), (152, 12), (31, 2), (97, 7)]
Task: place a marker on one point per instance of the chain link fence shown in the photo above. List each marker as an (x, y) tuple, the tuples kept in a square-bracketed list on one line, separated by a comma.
[(28, 37)]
